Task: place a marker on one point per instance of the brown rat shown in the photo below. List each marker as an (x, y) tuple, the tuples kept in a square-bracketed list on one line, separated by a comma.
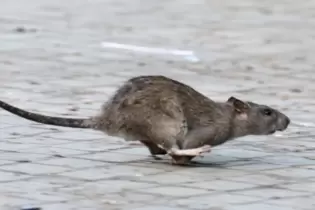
[(169, 117)]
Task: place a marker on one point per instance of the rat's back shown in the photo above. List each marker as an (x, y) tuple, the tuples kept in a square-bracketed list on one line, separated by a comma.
[(152, 90), (147, 100)]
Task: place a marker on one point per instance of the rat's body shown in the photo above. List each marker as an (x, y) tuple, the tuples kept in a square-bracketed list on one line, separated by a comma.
[(170, 117)]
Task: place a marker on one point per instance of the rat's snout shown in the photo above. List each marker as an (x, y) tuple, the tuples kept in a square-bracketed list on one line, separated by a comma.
[(283, 122)]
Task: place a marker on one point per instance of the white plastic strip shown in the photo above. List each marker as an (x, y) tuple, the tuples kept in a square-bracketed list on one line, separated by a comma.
[(187, 55)]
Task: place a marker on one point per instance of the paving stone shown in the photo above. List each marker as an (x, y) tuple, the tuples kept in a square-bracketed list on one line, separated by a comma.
[(88, 205), (221, 185), (259, 206), (16, 146), (22, 131), (76, 135), (92, 146), (33, 169), (10, 203), (102, 189), (10, 176), (259, 179), (213, 172), (150, 207), (109, 171), (17, 156), (293, 173), (113, 157), (240, 153), (288, 160), (129, 196), (53, 150), (71, 163), (37, 184), (218, 201), (38, 140), (259, 166), (175, 191), (4, 162), (306, 186), (171, 178), (272, 193), (295, 203), (90, 174), (52, 62), (135, 151)]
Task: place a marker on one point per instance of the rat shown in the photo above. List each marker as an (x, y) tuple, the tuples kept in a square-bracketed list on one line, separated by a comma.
[(171, 118)]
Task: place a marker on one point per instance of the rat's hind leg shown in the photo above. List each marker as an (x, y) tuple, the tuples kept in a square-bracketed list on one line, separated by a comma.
[(168, 135), (189, 152), (154, 149), (184, 156)]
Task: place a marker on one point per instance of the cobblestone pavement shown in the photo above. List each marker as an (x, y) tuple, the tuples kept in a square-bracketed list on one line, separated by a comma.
[(52, 62)]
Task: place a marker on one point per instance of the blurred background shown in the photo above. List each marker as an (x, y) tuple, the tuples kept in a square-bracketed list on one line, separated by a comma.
[(67, 57)]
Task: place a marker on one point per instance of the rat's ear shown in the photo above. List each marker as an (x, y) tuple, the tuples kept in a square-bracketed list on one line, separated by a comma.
[(240, 106)]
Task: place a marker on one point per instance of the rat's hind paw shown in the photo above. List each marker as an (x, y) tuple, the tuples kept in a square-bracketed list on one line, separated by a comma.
[(190, 152)]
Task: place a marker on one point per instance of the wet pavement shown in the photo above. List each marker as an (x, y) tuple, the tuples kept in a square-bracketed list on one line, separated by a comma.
[(52, 61)]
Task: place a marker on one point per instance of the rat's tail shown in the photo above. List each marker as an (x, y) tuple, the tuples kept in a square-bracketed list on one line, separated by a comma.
[(57, 121)]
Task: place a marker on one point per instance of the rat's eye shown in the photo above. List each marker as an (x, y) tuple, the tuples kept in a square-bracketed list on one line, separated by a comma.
[(267, 112)]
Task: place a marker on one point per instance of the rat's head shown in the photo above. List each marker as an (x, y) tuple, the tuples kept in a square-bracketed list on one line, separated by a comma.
[(257, 119)]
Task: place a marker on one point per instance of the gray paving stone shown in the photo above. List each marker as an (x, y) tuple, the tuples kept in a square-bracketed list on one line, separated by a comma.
[(125, 197), (306, 186), (16, 146), (103, 189), (171, 178), (47, 183), (288, 160), (221, 185), (272, 193), (218, 201), (150, 207), (75, 135), (110, 171), (10, 176), (90, 174), (140, 150), (53, 150), (92, 145), (240, 153), (12, 203), (209, 172), (175, 191), (259, 206), (39, 140), (44, 197), (265, 54), (17, 156), (108, 156), (217, 159), (71, 163), (88, 205), (258, 166), (260, 179), (293, 173), (4, 162), (295, 203), (33, 169), (22, 131)]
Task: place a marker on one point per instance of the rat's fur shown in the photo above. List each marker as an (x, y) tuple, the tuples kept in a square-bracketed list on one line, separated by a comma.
[(168, 116)]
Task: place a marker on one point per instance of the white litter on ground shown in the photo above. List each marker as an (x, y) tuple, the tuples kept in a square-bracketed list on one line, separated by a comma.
[(187, 55)]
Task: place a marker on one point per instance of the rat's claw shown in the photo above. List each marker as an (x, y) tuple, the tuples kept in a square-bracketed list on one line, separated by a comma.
[(206, 148), (203, 149)]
